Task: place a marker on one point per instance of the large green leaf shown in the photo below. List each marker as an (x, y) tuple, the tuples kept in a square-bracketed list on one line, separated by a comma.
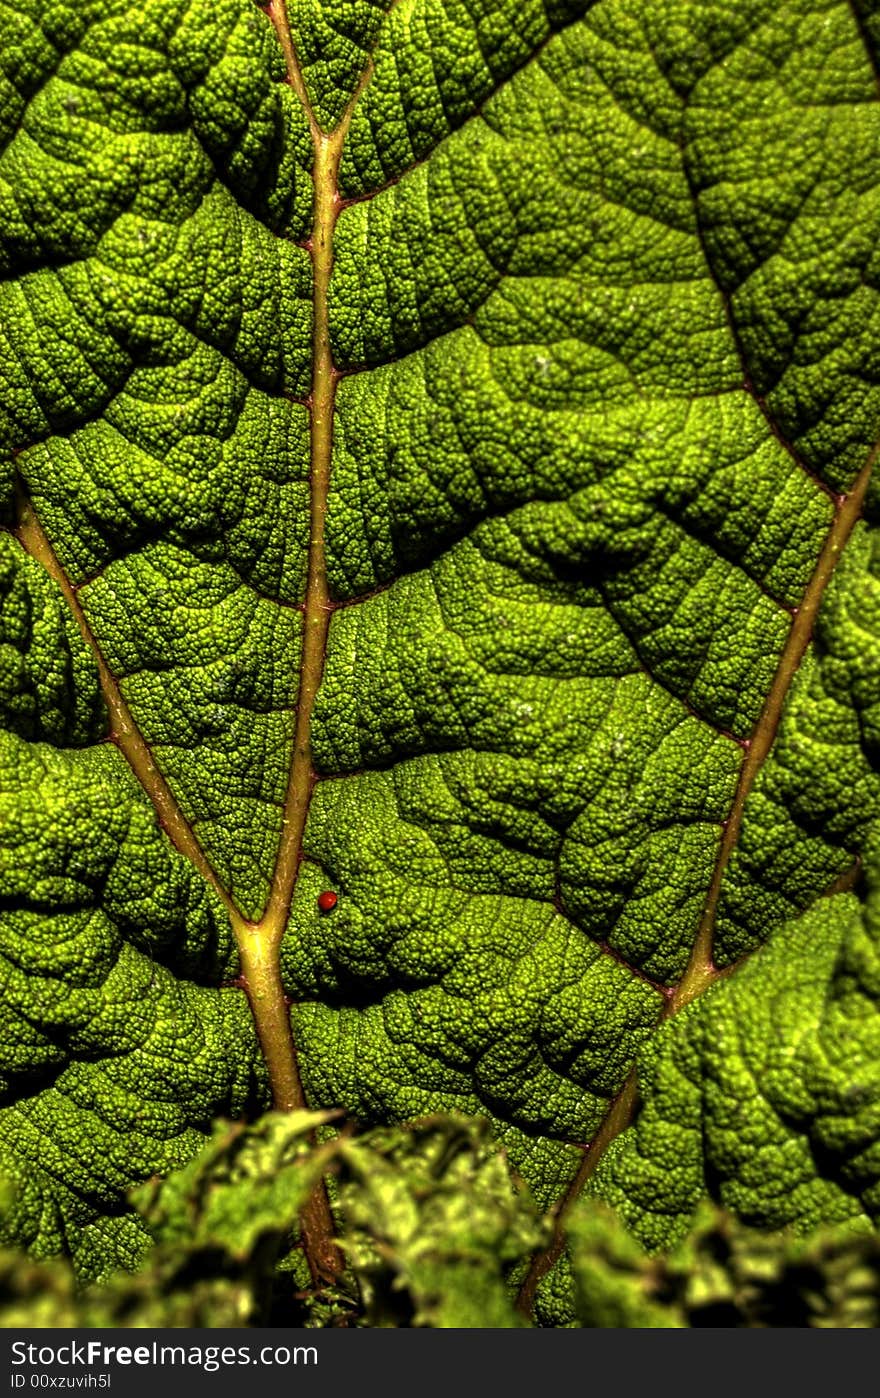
[(439, 443)]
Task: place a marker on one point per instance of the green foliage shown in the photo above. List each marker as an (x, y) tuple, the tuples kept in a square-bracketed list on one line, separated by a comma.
[(163, 1293), (723, 1274), (433, 1225), (199, 1279), (598, 714), (435, 1228), (245, 1189), (768, 1088)]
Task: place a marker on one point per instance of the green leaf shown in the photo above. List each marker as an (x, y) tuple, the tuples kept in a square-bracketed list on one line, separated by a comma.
[(766, 1091), (723, 1274), (433, 1225), (219, 1225), (164, 1293), (244, 1186), (438, 446)]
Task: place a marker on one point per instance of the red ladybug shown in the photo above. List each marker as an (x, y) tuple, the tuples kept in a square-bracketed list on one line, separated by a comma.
[(327, 901)]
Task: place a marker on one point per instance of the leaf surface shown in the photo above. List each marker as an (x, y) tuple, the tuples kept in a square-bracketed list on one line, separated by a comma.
[(439, 444)]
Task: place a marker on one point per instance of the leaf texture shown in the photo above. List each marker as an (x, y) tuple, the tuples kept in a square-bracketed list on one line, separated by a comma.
[(439, 444)]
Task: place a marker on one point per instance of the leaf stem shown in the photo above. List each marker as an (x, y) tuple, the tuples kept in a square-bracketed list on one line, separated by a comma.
[(260, 944), (124, 731), (257, 943), (701, 971)]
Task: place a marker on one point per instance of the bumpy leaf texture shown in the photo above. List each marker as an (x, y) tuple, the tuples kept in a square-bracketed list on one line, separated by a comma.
[(439, 441)]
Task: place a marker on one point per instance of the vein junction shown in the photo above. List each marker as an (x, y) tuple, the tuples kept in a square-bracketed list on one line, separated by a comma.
[(259, 941), (577, 474)]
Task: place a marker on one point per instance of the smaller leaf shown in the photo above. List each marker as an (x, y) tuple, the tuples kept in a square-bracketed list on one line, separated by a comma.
[(46, 1295), (614, 1278), (435, 1223), (723, 1274), (244, 1189), (175, 1287), (433, 1227)]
